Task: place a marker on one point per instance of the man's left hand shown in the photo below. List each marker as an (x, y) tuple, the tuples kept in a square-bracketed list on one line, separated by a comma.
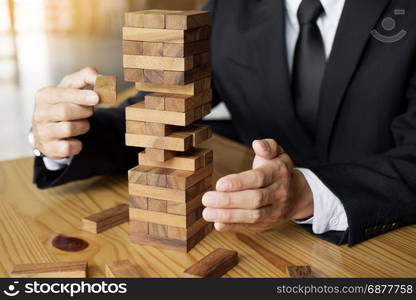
[(259, 198)]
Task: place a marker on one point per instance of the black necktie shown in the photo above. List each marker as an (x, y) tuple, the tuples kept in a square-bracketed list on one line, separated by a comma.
[(309, 65)]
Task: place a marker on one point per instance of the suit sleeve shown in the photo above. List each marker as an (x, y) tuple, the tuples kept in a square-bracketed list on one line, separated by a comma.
[(378, 193), (103, 151)]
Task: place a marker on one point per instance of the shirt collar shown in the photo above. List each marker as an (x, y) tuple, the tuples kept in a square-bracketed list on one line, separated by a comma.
[(333, 10)]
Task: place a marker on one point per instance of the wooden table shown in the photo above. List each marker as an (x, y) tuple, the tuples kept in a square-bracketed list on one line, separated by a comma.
[(30, 218)]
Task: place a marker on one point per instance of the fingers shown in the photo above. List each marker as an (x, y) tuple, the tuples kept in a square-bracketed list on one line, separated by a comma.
[(63, 130), (62, 148), (55, 95), (64, 112), (241, 226), (79, 80), (257, 178), (249, 216), (267, 148), (248, 199)]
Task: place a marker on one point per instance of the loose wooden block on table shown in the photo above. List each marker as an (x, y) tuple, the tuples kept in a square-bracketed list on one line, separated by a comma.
[(299, 271), (121, 269), (106, 219), (105, 87), (188, 19), (190, 89), (133, 75), (50, 270), (190, 160), (215, 264), (166, 35)]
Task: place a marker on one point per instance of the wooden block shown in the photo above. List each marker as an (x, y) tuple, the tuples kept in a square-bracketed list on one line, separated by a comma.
[(134, 48), (158, 129), (105, 87), (161, 193), (138, 202), (183, 180), (191, 160), (154, 20), (188, 20), (199, 133), (153, 76), (215, 264), (135, 127), (172, 244), (176, 141), (158, 230), (166, 35), (198, 112), (133, 75), (183, 209), (158, 63), (183, 50), (159, 155), (138, 112), (157, 205), (152, 49), (183, 103), (188, 89), (299, 271), (138, 227), (157, 177), (206, 109), (106, 219), (136, 18), (186, 77), (121, 269), (158, 217), (51, 270), (185, 233), (154, 101), (138, 174)]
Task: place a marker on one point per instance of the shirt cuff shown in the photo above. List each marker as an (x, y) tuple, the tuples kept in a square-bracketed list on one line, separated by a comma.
[(328, 213), (56, 164)]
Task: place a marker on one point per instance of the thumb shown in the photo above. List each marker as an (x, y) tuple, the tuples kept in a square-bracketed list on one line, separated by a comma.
[(267, 148)]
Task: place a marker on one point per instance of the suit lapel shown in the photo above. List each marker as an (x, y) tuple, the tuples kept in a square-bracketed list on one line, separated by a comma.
[(358, 19)]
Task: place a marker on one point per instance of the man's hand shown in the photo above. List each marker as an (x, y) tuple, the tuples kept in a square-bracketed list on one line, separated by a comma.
[(61, 114), (261, 197)]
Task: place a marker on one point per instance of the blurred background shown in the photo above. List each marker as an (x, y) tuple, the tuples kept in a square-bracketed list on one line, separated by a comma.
[(43, 40)]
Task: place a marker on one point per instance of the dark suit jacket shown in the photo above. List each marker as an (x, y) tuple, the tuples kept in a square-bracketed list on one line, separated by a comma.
[(365, 149)]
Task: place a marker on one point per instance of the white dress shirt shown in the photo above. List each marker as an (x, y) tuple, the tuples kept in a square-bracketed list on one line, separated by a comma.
[(329, 213)]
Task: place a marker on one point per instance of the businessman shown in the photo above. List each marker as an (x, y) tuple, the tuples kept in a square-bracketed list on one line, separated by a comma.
[(325, 89)]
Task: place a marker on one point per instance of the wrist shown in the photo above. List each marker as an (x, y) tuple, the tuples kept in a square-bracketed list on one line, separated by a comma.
[(301, 197)]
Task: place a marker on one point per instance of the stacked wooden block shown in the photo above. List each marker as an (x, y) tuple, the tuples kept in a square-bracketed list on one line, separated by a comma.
[(167, 53)]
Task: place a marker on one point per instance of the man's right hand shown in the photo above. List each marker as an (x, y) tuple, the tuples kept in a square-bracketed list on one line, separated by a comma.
[(61, 114)]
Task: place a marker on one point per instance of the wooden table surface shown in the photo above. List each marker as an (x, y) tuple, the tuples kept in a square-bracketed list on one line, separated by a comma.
[(30, 218)]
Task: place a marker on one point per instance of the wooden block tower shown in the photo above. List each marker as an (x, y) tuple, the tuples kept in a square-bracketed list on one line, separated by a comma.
[(167, 53)]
